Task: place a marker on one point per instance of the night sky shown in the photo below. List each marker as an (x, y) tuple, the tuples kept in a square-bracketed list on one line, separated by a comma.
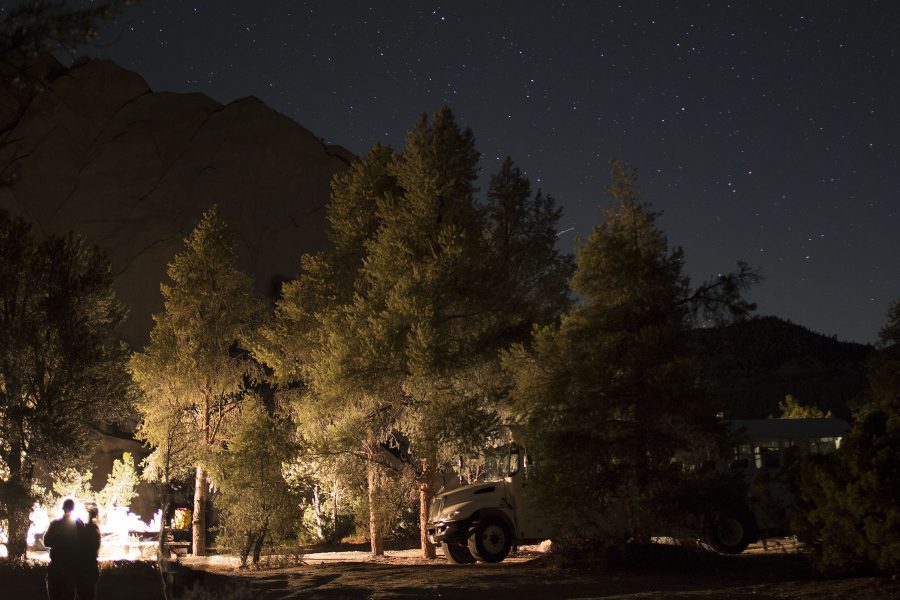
[(765, 131)]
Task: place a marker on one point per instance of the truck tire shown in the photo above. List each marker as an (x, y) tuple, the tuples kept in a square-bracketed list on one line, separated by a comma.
[(730, 532), (490, 540), (457, 554)]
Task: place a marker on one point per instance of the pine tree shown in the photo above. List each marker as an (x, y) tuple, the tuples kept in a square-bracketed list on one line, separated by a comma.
[(850, 498), (120, 484), (257, 505), (314, 346), (193, 372), (884, 369), (61, 364), (609, 396), (527, 275), (423, 270), (406, 315)]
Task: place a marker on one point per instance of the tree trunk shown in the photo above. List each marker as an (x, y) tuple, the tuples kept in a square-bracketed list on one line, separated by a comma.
[(376, 539), (18, 500), (426, 495), (317, 512), (162, 550), (201, 489), (247, 548), (258, 545), (334, 509), (201, 492), (18, 515)]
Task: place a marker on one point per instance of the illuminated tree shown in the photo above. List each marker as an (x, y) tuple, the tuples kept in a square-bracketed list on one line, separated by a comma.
[(118, 491), (257, 505), (792, 409), (192, 374), (120, 484), (398, 327), (460, 281), (61, 364), (313, 345)]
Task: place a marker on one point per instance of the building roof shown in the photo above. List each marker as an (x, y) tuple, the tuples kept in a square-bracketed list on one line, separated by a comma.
[(791, 429)]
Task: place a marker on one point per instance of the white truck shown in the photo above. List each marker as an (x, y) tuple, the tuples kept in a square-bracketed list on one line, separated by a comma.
[(482, 522)]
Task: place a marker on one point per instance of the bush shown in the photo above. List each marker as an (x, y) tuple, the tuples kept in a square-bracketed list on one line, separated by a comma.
[(258, 508), (850, 500)]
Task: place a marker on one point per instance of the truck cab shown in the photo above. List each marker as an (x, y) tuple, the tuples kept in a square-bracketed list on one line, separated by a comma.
[(482, 521)]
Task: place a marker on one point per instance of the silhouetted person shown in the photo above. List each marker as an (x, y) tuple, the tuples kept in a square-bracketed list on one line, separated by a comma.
[(88, 547), (62, 539)]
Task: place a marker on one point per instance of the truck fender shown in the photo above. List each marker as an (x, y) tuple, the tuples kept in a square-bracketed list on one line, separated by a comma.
[(495, 512)]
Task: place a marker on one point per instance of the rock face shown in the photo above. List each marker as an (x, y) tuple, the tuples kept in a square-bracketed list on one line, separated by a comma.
[(99, 153)]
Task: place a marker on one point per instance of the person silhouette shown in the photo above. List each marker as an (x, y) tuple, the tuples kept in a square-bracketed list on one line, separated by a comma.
[(88, 548), (62, 539)]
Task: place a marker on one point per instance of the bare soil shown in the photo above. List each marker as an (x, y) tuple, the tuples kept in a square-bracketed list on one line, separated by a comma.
[(777, 572)]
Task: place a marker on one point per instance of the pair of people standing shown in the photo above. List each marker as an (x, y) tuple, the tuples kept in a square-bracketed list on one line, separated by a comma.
[(73, 555)]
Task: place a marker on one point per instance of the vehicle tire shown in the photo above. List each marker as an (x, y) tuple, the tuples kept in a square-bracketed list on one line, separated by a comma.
[(490, 540), (730, 532), (457, 554)]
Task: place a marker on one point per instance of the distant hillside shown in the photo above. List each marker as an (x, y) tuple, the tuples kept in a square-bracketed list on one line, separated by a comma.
[(754, 364), (97, 151)]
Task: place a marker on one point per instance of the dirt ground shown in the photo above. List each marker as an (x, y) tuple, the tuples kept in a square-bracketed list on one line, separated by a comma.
[(774, 573)]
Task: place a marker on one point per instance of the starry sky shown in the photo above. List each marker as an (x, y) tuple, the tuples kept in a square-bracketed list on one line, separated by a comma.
[(765, 131)]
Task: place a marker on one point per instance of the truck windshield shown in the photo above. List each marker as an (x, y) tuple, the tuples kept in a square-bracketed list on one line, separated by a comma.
[(501, 461)]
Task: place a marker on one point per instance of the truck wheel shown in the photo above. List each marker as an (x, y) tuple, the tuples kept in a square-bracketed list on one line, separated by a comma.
[(457, 554), (730, 532), (490, 540)]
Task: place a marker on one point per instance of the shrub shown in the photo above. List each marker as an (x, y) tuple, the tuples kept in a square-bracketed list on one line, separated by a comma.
[(851, 499)]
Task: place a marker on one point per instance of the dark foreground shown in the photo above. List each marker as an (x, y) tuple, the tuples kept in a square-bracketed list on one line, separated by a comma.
[(696, 575)]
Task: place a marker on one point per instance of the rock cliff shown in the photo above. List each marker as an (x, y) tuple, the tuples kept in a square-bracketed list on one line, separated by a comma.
[(96, 151)]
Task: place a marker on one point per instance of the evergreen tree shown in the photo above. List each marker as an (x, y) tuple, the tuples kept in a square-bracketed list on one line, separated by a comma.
[(120, 484), (450, 282), (851, 499), (314, 345), (486, 275), (522, 269), (432, 285), (884, 368), (609, 396), (257, 505), (423, 268), (193, 373), (61, 365)]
